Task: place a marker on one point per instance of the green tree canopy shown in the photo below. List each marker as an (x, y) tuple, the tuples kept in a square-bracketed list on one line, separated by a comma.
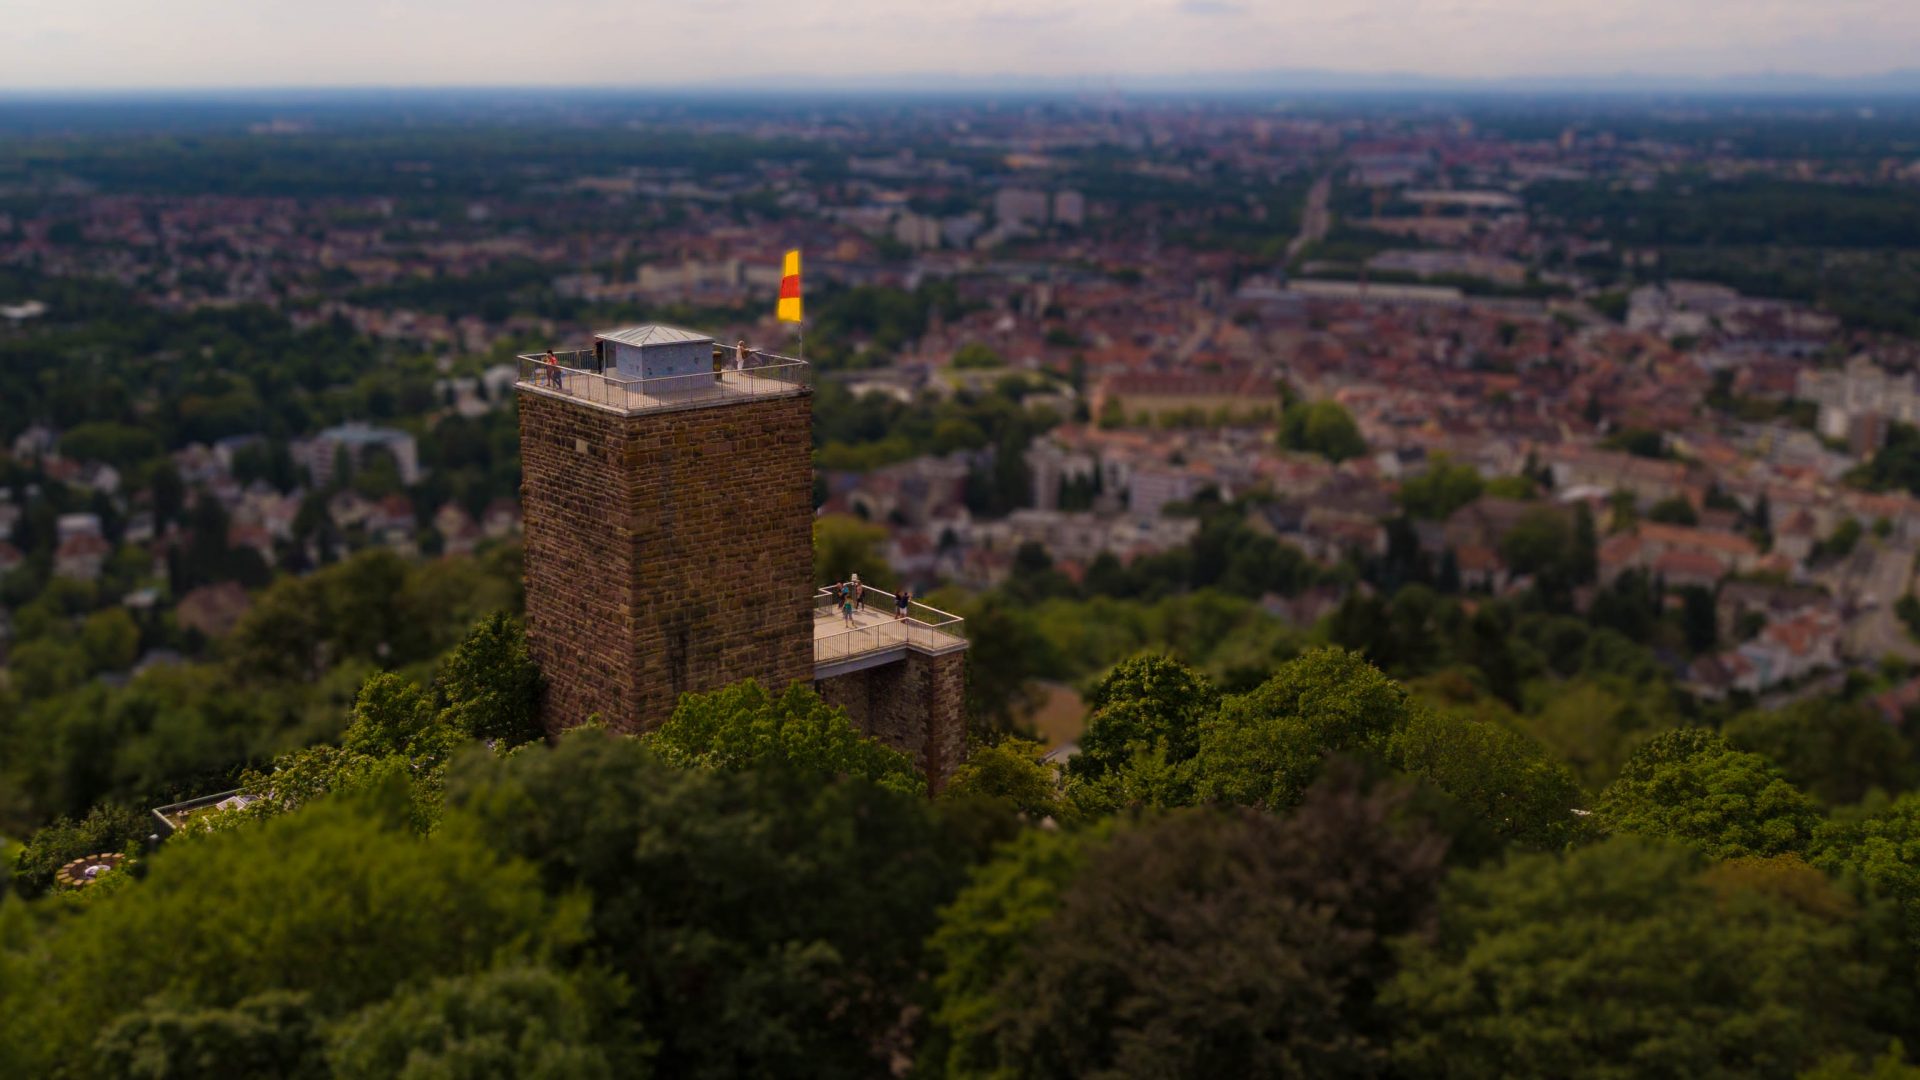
[(268, 1036), (843, 546), (1880, 850), (1202, 943), (1321, 427), (1627, 958), (766, 922), (1690, 785), (343, 902), (1264, 747), (1442, 489), (519, 1021), (105, 828), (1835, 751), (744, 726), (1143, 729), (1677, 510), (1494, 771), (491, 684), (1013, 770)]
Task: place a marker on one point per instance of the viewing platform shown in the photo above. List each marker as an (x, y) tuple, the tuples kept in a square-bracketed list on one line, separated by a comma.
[(877, 636), (599, 378)]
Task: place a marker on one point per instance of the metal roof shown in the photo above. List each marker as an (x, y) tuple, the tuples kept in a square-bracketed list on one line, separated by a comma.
[(653, 334)]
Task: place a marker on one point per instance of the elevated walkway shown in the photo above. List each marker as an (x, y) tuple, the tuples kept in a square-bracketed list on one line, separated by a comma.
[(877, 636)]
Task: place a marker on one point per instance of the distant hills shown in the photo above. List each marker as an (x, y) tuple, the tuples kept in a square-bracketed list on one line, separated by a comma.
[(1904, 82), (1899, 83)]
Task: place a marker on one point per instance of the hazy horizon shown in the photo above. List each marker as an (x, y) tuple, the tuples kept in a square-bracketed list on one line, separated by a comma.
[(206, 45)]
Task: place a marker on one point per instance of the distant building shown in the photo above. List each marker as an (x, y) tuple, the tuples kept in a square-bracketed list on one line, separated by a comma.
[(1151, 488), (68, 526), (213, 610), (358, 439), (1069, 208), (81, 557), (1153, 395), (1020, 206)]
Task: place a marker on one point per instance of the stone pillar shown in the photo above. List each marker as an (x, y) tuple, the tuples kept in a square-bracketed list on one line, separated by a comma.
[(915, 704)]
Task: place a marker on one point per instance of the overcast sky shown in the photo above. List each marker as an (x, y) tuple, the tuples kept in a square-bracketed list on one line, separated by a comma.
[(119, 44)]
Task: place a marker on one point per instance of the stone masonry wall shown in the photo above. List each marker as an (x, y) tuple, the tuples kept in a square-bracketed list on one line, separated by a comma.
[(851, 692), (915, 704), (721, 511), (668, 552), (577, 560)]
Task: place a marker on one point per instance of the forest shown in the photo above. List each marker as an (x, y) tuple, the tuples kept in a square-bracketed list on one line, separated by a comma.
[(1324, 874)]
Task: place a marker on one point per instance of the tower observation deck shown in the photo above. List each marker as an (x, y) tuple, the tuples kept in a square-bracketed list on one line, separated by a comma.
[(667, 494)]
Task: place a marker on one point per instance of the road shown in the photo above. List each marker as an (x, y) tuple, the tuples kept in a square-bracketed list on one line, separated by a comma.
[(1315, 218), (1878, 582)]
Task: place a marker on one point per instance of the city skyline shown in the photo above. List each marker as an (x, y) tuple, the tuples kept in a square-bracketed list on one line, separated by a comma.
[(1130, 44)]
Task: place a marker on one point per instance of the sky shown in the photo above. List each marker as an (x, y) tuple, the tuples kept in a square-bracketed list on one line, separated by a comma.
[(59, 45)]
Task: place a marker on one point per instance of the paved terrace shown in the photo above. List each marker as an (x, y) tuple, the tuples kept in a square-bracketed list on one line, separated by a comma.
[(877, 636), (573, 375)]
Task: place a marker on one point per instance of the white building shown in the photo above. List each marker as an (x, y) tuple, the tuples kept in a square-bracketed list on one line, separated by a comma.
[(357, 439), (1020, 206)]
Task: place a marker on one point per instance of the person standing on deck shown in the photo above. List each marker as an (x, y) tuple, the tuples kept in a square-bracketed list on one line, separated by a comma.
[(902, 602), (846, 603)]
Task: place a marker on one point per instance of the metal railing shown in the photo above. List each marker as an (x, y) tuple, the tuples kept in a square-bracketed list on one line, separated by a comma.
[(577, 373), (878, 625)]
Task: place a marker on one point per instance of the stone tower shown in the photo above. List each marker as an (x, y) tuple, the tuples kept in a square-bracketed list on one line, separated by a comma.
[(667, 493), (669, 518)]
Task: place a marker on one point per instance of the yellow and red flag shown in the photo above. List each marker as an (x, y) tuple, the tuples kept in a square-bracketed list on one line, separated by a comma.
[(789, 308)]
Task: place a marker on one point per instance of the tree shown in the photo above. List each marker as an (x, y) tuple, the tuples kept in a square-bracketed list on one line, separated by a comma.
[(343, 902), (844, 546), (1143, 703), (975, 355), (1627, 958), (1202, 943), (1584, 559), (1846, 536), (1322, 427), (1699, 619), (743, 726), (519, 1021), (1442, 489), (1540, 543), (1594, 724), (1006, 655), (1890, 1065), (111, 639), (983, 933), (492, 685), (1881, 850), (105, 828), (268, 1036), (1496, 772), (1014, 770), (1142, 731), (1640, 442), (1264, 747), (1520, 488), (394, 717), (1690, 785), (1833, 750), (766, 922), (1677, 510)]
